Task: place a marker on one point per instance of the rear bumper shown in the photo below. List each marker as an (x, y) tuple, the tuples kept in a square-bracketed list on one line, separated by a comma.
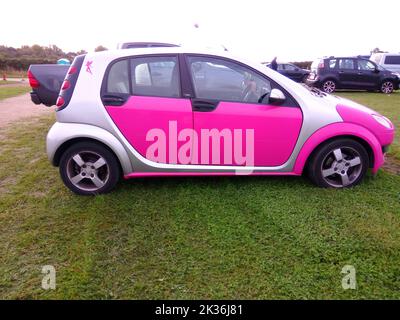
[(35, 98)]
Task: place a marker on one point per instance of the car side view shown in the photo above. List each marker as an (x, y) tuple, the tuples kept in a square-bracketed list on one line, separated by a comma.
[(176, 112), (330, 74)]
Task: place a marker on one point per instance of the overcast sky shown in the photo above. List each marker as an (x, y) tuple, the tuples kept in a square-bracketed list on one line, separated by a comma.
[(291, 30)]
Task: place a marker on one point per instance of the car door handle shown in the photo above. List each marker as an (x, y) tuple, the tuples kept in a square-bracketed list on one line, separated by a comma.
[(113, 100), (204, 105)]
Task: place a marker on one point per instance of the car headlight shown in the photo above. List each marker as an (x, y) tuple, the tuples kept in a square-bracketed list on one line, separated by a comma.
[(397, 74), (383, 121)]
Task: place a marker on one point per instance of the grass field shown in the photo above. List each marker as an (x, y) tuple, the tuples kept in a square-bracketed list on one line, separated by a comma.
[(215, 237), (12, 91)]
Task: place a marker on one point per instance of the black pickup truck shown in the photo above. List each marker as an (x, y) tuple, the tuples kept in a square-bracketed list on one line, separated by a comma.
[(46, 79)]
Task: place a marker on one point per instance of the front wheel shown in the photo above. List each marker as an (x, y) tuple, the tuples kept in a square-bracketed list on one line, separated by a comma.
[(329, 86), (387, 87), (339, 164), (88, 168)]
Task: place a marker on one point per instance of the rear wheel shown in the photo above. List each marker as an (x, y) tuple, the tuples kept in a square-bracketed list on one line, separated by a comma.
[(387, 87), (88, 168), (339, 164), (329, 86)]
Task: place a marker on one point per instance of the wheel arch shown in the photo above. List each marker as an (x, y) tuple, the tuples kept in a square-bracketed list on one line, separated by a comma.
[(63, 135), (340, 131)]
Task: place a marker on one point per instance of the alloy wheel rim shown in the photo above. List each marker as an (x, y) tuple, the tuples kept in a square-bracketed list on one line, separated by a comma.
[(341, 167), (88, 171), (387, 87), (329, 86)]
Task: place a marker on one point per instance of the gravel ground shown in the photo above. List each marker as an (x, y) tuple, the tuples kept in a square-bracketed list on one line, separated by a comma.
[(20, 107)]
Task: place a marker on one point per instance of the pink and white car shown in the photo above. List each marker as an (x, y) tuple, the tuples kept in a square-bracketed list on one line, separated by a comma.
[(175, 112)]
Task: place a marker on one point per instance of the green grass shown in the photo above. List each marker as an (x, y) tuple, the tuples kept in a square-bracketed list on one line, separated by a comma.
[(2, 82), (215, 237), (11, 91)]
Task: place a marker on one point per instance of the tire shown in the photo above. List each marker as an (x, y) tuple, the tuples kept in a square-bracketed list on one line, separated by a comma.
[(328, 86), (387, 87), (88, 168), (341, 163)]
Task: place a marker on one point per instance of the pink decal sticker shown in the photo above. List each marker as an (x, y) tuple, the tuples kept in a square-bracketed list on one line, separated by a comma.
[(89, 66)]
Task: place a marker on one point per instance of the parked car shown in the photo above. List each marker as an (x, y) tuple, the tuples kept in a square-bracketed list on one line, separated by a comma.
[(389, 61), (355, 73), (155, 112), (292, 71)]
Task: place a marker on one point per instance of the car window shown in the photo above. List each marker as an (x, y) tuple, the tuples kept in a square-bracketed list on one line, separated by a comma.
[(347, 64), (118, 79), (365, 65), (289, 67), (280, 67), (155, 76), (392, 60), (332, 63), (219, 79)]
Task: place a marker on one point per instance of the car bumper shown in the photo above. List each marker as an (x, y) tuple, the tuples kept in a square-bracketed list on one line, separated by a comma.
[(35, 98)]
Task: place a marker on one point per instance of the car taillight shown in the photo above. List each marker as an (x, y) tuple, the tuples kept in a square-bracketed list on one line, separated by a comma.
[(66, 84), (33, 81), (60, 101), (72, 70)]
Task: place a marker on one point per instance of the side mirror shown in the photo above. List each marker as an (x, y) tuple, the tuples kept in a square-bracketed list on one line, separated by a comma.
[(276, 97)]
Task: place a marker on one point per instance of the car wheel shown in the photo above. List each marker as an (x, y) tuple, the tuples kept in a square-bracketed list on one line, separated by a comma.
[(339, 164), (387, 87), (329, 86), (88, 168)]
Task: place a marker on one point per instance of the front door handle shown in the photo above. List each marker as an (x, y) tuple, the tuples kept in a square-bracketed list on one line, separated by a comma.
[(203, 105)]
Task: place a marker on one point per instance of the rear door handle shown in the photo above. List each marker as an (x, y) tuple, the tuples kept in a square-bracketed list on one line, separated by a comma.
[(113, 100), (204, 105)]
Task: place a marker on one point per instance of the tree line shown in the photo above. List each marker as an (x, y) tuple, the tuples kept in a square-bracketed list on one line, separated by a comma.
[(20, 58)]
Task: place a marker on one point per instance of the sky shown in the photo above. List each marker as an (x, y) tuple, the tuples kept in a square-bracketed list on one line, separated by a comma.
[(259, 30)]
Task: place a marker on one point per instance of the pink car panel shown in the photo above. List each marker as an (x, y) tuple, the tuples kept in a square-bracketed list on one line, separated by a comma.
[(139, 115), (363, 117), (336, 130), (276, 129)]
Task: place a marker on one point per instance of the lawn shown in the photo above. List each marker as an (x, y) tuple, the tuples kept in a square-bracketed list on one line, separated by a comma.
[(12, 91), (206, 237)]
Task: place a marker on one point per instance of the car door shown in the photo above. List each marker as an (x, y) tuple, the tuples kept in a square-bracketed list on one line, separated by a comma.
[(227, 111), (367, 74), (143, 97), (348, 74)]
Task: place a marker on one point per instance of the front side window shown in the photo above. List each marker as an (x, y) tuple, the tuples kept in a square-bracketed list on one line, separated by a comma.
[(155, 76), (118, 79), (347, 64), (365, 65), (219, 79)]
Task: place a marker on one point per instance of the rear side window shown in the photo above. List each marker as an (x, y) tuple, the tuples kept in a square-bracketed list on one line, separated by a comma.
[(347, 64), (155, 76), (332, 63), (392, 60), (118, 79)]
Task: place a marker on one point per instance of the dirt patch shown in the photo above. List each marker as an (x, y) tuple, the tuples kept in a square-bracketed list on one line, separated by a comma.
[(391, 165), (20, 107)]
